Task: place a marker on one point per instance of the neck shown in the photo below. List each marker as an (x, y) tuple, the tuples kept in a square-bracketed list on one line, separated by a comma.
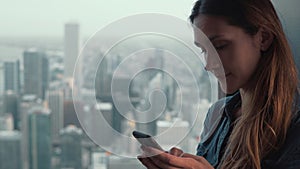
[(246, 100)]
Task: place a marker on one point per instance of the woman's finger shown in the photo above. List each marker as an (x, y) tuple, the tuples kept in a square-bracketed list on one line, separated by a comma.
[(198, 158), (176, 151), (162, 164), (148, 163), (166, 160)]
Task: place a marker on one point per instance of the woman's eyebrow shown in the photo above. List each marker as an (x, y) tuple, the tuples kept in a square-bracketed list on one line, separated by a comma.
[(210, 39), (215, 37)]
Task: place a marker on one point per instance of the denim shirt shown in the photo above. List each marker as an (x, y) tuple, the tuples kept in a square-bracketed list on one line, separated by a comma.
[(218, 127)]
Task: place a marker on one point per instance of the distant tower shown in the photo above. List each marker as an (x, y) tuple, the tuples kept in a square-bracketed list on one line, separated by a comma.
[(71, 48), (39, 135), (10, 150), (11, 106), (36, 73), (71, 147), (56, 105), (26, 104), (101, 79), (12, 76), (156, 106), (6, 122), (1, 77)]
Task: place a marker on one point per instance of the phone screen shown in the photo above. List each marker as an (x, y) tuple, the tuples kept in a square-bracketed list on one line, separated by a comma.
[(146, 140)]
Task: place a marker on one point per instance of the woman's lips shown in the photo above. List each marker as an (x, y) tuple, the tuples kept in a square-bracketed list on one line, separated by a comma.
[(222, 75), (227, 74)]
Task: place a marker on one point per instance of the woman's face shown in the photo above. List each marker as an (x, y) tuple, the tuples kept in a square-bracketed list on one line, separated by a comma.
[(239, 52)]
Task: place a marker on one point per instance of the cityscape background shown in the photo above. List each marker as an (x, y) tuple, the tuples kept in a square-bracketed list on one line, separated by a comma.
[(39, 128)]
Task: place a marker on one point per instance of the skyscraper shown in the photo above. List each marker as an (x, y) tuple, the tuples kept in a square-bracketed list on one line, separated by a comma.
[(10, 150), (70, 116), (36, 73), (11, 106), (1, 77), (6, 122), (12, 76), (71, 48), (154, 107), (71, 137), (26, 104), (39, 135), (101, 86), (56, 105)]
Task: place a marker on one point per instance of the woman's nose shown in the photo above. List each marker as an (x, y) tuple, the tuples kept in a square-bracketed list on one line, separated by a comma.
[(212, 65)]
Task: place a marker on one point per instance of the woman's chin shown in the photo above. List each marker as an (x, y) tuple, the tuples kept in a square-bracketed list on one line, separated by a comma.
[(227, 89)]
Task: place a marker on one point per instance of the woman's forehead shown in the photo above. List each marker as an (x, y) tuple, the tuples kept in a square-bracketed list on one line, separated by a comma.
[(211, 26), (208, 22)]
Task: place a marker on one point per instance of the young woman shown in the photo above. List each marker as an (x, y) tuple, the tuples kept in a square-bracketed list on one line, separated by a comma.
[(259, 126)]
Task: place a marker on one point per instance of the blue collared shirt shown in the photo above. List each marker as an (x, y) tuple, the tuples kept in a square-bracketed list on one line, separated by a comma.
[(218, 126)]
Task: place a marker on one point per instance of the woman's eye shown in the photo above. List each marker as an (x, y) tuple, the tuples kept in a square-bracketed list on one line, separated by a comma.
[(220, 47)]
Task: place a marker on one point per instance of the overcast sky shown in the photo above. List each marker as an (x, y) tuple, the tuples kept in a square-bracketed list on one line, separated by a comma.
[(46, 18)]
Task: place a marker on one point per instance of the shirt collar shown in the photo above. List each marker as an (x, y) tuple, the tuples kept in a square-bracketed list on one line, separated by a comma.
[(232, 103)]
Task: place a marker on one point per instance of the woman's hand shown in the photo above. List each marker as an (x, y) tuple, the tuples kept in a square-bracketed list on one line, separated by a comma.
[(156, 159)]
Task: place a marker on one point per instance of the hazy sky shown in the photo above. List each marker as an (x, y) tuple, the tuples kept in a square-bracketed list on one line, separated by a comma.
[(47, 18)]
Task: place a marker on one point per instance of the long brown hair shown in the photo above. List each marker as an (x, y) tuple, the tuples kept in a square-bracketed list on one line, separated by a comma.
[(262, 128)]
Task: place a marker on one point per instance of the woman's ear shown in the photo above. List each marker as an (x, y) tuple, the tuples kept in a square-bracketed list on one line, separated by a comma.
[(266, 39)]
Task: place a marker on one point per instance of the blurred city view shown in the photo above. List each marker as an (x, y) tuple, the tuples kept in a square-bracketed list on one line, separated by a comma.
[(45, 111), (39, 124)]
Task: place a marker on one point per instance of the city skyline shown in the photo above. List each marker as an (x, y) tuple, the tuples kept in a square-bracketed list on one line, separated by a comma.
[(41, 122)]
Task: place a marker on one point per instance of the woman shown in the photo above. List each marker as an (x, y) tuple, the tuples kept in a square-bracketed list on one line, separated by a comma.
[(260, 123)]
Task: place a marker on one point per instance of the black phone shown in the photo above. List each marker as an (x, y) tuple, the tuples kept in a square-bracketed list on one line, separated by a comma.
[(146, 140)]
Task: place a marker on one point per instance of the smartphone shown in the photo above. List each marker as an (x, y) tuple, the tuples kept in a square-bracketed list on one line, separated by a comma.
[(146, 140)]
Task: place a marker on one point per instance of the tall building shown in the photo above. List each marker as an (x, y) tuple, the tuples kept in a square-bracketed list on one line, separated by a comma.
[(153, 108), (39, 135), (36, 73), (26, 104), (56, 105), (12, 76), (70, 116), (71, 148), (11, 106), (10, 150), (6, 122), (71, 48), (101, 85), (1, 77)]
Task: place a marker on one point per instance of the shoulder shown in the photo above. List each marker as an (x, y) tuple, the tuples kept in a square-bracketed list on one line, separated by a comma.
[(296, 116), (288, 155), (215, 113)]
